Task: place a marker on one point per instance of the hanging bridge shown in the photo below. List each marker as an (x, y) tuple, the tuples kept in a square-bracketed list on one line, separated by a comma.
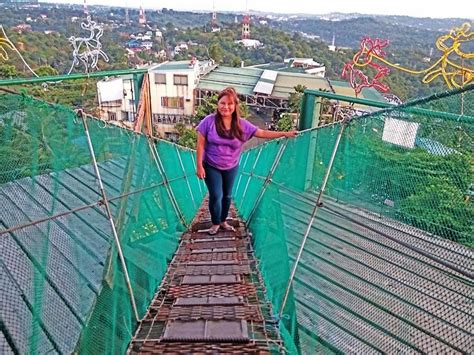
[(354, 237)]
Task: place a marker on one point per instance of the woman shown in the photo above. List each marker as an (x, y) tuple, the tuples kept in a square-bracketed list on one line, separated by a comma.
[(221, 136)]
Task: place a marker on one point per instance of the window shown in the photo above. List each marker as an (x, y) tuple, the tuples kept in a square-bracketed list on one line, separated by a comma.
[(112, 116), (160, 78), (180, 79), (172, 102), (127, 116)]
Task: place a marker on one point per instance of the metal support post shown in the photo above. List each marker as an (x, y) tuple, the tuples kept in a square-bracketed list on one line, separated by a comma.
[(268, 179), (195, 168), (109, 214), (169, 190), (240, 175), (313, 216), (185, 177), (250, 177)]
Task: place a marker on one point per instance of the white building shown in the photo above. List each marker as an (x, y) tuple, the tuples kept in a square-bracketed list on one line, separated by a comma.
[(117, 99), (250, 43), (309, 65), (180, 47), (172, 86)]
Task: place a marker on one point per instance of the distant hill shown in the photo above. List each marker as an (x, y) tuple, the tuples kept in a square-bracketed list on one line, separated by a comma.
[(403, 32)]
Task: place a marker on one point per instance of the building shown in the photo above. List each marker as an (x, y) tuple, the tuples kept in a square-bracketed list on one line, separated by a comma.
[(117, 99), (246, 27), (180, 47), (214, 26), (297, 65), (172, 86), (332, 47), (250, 43), (30, 2), (308, 65), (270, 89), (172, 92)]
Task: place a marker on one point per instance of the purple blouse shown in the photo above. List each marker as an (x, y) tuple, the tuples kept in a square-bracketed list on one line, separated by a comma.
[(223, 153)]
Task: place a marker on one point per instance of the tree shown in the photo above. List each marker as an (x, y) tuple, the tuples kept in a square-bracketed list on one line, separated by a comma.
[(285, 123), (46, 70), (8, 71), (216, 52), (210, 105), (294, 100), (186, 137)]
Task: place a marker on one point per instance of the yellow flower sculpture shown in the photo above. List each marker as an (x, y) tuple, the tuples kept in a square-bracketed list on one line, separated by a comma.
[(455, 74), (453, 66), (5, 43)]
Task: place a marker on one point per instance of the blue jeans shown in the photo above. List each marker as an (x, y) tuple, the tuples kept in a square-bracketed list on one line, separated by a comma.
[(220, 184)]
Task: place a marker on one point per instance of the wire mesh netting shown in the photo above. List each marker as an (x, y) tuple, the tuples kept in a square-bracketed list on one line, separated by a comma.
[(61, 268), (386, 263), (387, 260)]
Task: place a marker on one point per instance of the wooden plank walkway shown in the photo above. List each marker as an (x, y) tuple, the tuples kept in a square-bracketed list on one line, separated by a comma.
[(211, 299)]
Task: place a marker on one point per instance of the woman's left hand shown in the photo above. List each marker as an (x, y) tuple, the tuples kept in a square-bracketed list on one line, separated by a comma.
[(291, 134)]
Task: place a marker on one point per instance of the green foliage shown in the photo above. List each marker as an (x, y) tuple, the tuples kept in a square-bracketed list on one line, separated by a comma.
[(216, 52), (285, 123), (186, 137), (46, 70), (422, 209), (428, 191), (36, 138), (208, 106), (8, 71), (294, 100)]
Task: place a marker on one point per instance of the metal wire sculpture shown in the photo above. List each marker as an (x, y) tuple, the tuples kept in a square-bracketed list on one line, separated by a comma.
[(87, 50), (451, 66)]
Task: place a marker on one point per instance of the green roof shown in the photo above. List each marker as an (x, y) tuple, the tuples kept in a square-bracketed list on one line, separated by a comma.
[(245, 79), (179, 65)]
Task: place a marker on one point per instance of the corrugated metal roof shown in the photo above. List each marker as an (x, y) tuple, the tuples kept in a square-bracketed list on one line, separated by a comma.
[(286, 82), (219, 86), (179, 65), (343, 88), (240, 71), (269, 75), (244, 80), (263, 88)]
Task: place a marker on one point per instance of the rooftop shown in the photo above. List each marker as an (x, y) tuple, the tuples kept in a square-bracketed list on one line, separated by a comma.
[(245, 79)]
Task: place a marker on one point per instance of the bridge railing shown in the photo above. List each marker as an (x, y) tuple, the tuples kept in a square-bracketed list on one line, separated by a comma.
[(363, 224), (91, 216)]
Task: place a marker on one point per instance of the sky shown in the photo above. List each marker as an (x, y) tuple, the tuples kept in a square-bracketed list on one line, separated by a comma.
[(414, 8)]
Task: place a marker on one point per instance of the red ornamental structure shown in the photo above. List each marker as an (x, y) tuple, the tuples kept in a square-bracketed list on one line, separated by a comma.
[(141, 17), (363, 58), (246, 27)]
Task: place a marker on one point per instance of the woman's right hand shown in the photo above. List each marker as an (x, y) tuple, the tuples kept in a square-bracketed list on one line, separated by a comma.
[(201, 173)]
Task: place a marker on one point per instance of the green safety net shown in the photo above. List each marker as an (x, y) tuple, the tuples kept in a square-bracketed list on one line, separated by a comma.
[(387, 263), (386, 266), (63, 286)]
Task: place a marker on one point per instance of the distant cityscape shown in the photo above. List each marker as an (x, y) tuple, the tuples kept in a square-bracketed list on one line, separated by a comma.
[(186, 68)]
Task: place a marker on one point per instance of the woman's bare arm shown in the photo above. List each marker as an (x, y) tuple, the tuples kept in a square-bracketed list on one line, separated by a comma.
[(262, 133), (201, 143)]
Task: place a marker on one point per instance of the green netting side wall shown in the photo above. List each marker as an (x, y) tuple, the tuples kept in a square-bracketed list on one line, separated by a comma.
[(61, 273), (387, 265)]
